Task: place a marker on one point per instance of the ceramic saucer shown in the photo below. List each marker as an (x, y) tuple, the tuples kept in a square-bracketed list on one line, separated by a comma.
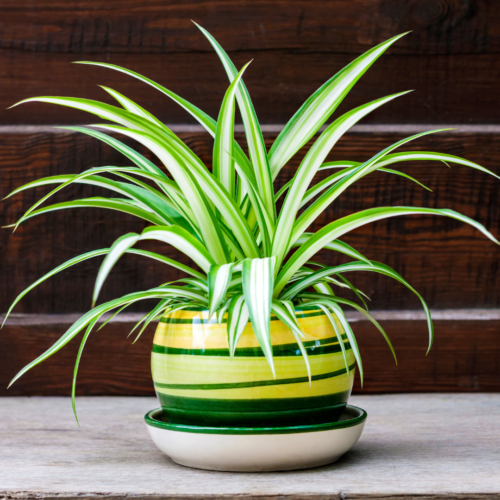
[(248, 449)]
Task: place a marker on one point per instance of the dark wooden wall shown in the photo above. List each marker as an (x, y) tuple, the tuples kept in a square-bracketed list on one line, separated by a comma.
[(451, 58)]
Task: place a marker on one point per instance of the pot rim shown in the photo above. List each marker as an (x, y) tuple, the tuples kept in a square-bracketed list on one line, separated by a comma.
[(303, 307)]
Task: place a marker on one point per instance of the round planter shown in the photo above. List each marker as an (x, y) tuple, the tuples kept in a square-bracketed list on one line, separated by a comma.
[(198, 383)]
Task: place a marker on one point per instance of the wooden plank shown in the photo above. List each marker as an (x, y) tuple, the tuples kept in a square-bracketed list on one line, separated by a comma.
[(346, 26), (449, 88), (415, 447), (464, 358), (452, 265)]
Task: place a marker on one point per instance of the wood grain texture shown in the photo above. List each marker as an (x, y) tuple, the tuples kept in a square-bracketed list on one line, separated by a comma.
[(344, 26), (452, 265), (449, 88), (465, 356), (418, 447)]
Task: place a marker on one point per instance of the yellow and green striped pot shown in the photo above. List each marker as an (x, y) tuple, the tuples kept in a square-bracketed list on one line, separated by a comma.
[(198, 383)]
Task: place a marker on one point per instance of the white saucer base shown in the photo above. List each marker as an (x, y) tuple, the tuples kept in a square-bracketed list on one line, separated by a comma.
[(256, 452)]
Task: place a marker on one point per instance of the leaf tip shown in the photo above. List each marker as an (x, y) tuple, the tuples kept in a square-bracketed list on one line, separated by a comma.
[(16, 104), (12, 381)]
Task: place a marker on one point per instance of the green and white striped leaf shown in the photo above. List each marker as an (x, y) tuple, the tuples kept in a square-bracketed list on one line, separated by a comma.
[(289, 306), (237, 320), (339, 313), (146, 197), (342, 226), (193, 283), (325, 183), (62, 267), (361, 266), (118, 248), (352, 288), (156, 139), (255, 140), (266, 225), (183, 241), (159, 309), (87, 318), (310, 215), (119, 204), (97, 253), (327, 301), (219, 278), (206, 184), (315, 277), (134, 108), (140, 160), (313, 297), (338, 333), (158, 176), (206, 121), (324, 288), (166, 260), (77, 364), (116, 313), (222, 311), (336, 245), (257, 284), (285, 316), (319, 107), (308, 169), (223, 156), (432, 156)]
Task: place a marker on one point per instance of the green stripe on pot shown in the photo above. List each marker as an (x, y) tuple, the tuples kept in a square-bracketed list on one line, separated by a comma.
[(251, 405), (256, 383), (281, 350), (352, 416)]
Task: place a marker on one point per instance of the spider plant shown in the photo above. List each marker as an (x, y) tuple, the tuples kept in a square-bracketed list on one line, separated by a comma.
[(251, 260)]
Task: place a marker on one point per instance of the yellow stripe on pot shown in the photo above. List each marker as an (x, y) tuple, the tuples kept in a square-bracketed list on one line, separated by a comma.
[(200, 335), (333, 385), (186, 369)]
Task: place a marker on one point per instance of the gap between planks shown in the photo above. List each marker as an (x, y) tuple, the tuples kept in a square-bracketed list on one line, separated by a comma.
[(276, 128), (404, 315)]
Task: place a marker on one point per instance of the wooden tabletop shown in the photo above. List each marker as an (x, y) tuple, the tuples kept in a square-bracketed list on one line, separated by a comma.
[(424, 445)]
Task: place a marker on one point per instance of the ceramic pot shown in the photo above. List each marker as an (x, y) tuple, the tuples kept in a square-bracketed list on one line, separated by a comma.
[(197, 382)]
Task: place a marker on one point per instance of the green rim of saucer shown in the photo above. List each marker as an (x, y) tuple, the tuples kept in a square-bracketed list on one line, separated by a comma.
[(352, 416)]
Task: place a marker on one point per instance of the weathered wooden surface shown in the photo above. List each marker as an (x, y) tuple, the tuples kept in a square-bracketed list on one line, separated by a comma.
[(465, 356), (428, 446), (450, 264), (451, 56)]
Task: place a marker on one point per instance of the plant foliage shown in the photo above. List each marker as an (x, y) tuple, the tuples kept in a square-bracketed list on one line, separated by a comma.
[(252, 261)]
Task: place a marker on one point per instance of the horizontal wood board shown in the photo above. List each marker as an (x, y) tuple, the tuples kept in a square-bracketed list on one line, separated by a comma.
[(450, 264), (413, 447), (465, 356), (451, 57), (160, 26)]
